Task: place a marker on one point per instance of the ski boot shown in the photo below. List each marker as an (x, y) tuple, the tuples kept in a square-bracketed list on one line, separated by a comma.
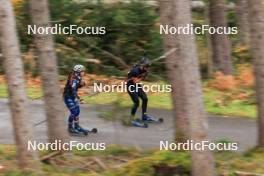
[(138, 123), (150, 119), (72, 130)]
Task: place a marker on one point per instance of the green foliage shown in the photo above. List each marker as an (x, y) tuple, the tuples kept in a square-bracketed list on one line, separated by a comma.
[(241, 54), (158, 163), (131, 30), (18, 173), (142, 162), (114, 150)]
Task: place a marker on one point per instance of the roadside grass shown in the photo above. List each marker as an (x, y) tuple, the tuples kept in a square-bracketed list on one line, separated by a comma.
[(3, 91), (121, 160), (32, 92), (212, 99), (237, 107)]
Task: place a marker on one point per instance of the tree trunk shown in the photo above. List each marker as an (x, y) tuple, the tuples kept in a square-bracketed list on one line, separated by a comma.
[(180, 120), (242, 21), (184, 65), (220, 43), (210, 65), (28, 160), (49, 73), (256, 16)]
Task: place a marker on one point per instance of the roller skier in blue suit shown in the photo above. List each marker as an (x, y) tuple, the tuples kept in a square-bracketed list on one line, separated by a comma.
[(71, 99)]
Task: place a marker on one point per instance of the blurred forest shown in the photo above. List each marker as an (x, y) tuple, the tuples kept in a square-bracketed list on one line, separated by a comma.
[(215, 74), (134, 25), (121, 21)]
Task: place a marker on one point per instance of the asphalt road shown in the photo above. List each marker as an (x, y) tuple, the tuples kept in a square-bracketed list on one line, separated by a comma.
[(234, 129)]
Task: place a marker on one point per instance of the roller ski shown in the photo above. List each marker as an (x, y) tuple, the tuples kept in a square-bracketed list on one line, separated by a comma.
[(149, 119), (78, 130), (139, 123), (84, 130)]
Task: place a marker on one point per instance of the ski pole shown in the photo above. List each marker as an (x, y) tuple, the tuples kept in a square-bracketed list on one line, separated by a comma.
[(39, 123), (43, 121)]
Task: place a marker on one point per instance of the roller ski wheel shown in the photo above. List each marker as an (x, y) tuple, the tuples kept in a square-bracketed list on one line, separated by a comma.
[(74, 132), (161, 120), (149, 119), (86, 131), (81, 130), (138, 123), (93, 130)]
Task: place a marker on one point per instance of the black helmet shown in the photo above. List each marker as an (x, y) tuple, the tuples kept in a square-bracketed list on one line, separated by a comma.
[(144, 61)]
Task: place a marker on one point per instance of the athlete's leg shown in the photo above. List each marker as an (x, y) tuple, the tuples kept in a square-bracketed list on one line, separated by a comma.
[(131, 89), (134, 98), (74, 109), (144, 99), (75, 113)]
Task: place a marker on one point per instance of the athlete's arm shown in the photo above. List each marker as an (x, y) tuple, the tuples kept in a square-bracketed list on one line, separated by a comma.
[(82, 84), (136, 79)]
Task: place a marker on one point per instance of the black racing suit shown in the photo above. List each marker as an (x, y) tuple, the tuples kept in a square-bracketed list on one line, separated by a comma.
[(136, 92)]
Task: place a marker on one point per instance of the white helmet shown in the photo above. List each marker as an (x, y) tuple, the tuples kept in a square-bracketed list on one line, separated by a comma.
[(78, 68)]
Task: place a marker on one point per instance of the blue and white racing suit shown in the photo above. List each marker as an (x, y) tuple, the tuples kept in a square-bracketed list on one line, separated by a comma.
[(71, 98)]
